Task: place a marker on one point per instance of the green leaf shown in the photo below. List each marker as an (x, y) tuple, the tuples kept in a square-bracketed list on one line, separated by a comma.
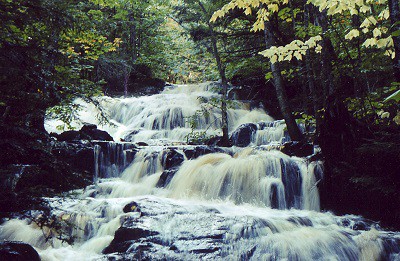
[(395, 96), (396, 33)]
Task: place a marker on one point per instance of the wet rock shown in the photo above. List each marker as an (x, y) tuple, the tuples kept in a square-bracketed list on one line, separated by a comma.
[(131, 207), (124, 238), (172, 158), (18, 251), (166, 177), (218, 141), (129, 137), (92, 133), (242, 136), (87, 132), (71, 135), (298, 149), (88, 127), (193, 153), (54, 176), (79, 156)]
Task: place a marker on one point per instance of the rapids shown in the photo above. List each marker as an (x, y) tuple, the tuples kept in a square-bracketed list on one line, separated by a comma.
[(173, 201)]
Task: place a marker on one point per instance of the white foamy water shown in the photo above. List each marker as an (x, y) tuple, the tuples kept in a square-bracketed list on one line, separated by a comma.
[(196, 202), (164, 118)]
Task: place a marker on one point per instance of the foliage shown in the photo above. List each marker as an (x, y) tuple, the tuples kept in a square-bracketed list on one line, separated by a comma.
[(373, 109), (380, 38)]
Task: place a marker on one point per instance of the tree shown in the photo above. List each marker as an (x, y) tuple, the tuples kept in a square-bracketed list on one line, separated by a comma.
[(200, 13), (329, 37)]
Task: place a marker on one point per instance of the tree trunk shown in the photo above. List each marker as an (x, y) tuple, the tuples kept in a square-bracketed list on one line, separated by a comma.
[(224, 81), (293, 128), (126, 80), (326, 65), (395, 19), (310, 74)]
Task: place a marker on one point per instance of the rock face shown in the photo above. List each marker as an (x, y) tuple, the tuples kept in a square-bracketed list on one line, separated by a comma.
[(87, 132), (173, 159), (298, 149), (125, 236), (80, 156), (17, 251), (195, 152), (242, 136), (166, 177), (33, 165)]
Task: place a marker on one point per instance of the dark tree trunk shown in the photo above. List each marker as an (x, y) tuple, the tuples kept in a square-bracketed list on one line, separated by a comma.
[(326, 61), (310, 74), (293, 128), (126, 80), (395, 19)]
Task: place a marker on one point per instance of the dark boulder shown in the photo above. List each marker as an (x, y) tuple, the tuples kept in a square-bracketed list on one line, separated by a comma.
[(88, 127), (218, 141), (71, 135), (131, 207), (242, 136), (166, 177), (91, 132), (87, 132), (124, 237), (17, 251), (195, 152), (142, 144), (172, 158), (55, 176), (80, 157), (298, 149)]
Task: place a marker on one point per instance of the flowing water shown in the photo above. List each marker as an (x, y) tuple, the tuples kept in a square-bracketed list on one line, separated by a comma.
[(172, 201)]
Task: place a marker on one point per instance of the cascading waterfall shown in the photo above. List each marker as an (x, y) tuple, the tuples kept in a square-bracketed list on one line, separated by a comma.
[(180, 202)]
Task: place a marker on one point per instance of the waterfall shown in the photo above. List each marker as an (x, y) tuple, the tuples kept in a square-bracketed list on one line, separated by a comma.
[(155, 197)]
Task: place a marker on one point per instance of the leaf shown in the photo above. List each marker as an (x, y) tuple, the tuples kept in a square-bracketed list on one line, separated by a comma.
[(396, 33), (395, 96), (352, 34)]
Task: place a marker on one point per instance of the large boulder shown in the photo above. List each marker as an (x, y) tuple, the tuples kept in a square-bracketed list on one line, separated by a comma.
[(87, 132), (197, 151), (17, 251), (242, 136), (298, 149), (125, 237), (172, 159), (92, 133), (79, 156), (166, 177)]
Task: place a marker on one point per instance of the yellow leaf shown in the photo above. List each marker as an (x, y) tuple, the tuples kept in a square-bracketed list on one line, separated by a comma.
[(352, 34), (298, 56), (274, 59), (376, 32)]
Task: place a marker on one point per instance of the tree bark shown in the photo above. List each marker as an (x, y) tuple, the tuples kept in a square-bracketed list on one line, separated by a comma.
[(394, 11), (310, 74), (293, 128), (326, 65)]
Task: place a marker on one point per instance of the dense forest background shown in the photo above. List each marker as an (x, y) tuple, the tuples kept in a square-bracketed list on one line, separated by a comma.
[(333, 66)]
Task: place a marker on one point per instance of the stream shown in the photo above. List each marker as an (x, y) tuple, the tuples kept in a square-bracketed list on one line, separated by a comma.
[(156, 198)]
